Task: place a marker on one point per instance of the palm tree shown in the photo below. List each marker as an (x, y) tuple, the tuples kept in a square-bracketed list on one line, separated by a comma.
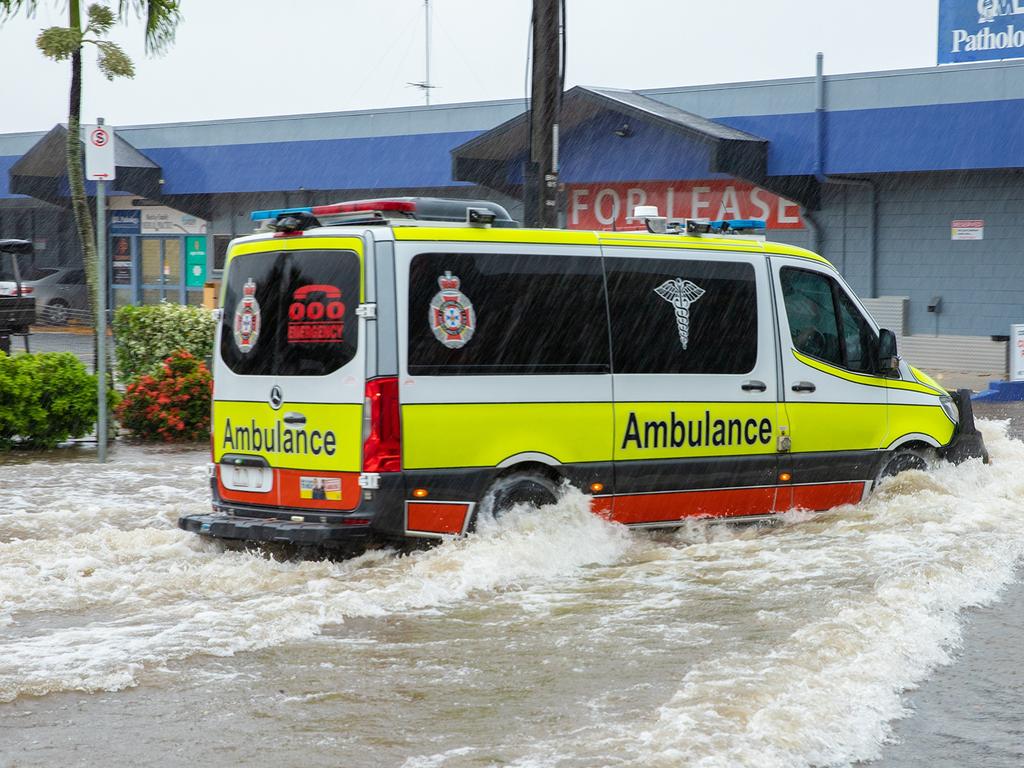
[(66, 43)]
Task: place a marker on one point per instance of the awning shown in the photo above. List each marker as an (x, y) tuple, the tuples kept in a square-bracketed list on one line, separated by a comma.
[(595, 131), (42, 172)]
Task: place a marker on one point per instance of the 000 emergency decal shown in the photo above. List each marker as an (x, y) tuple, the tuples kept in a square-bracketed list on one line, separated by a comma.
[(316, 315)]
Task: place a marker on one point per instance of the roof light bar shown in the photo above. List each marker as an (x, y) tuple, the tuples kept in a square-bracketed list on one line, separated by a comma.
[(359, 206)]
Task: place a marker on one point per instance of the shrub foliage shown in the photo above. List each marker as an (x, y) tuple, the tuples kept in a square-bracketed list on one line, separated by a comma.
[(172, 404), (145, 336), (45, 399)]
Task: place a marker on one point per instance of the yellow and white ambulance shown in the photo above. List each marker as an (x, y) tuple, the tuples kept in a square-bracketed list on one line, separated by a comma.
[(394, 368)]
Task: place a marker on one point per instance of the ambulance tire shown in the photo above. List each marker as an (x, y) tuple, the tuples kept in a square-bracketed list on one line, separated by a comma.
[(517, 488), (904, 459)]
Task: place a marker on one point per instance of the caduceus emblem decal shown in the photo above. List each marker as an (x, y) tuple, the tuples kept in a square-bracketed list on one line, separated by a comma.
[(680, 294)]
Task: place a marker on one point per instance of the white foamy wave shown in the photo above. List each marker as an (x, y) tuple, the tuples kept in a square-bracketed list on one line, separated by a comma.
[(930, 545), (94, 610)]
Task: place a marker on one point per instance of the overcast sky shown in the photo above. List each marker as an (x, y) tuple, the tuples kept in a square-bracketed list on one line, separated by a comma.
[(238, 58)]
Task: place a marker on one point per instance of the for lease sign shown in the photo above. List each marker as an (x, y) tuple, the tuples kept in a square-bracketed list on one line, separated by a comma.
[(603, 206)]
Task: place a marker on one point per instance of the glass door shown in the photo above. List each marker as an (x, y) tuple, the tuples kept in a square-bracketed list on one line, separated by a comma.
[(162, 274)]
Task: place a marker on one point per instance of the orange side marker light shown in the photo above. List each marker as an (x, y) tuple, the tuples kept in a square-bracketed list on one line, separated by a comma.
[(596, 487), (421, 493)]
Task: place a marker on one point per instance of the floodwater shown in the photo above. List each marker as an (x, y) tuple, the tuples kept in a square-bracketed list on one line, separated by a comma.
[(549, 638)]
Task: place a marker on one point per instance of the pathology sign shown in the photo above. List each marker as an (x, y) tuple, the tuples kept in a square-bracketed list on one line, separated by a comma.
[(980, 30), (604, 206)]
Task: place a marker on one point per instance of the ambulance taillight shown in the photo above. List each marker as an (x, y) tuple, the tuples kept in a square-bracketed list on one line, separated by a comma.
[(382, 428)]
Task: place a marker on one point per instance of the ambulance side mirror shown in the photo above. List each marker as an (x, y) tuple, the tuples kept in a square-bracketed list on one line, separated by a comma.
[(888, 357)]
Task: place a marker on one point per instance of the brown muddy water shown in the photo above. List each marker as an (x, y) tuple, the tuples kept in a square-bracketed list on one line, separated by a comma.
[(549, 638)]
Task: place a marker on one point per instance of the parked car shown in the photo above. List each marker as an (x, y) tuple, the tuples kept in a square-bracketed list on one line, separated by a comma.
[(17, 307), (60, 293)]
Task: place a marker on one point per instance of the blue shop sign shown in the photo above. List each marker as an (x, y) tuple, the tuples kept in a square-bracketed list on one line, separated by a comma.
[(125, 222), (980, 30)]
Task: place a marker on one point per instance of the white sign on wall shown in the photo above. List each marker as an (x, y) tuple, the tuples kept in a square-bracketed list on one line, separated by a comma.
[(161, 220), (99, 152), (968, 229), (1017, 353)]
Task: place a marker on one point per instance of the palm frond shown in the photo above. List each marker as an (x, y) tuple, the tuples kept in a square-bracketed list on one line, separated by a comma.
[(10, 7), (162, 19)]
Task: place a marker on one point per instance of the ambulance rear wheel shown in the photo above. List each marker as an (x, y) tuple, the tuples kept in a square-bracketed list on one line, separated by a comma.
[(902, 460), (518, 488)]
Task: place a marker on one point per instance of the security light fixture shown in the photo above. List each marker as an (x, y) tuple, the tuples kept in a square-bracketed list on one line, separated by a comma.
[(623, 132)]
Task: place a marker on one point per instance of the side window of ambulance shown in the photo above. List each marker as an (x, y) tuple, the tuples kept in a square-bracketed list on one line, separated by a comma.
[(825, 323), (505, 314), (682, 316), (812, 314), (291, 314), (859, 340)]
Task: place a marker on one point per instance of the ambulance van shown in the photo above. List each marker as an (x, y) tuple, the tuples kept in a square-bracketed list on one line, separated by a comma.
[(387, 369)]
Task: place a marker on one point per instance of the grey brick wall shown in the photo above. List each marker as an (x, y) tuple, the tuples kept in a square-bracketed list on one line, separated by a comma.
[(981, 282)]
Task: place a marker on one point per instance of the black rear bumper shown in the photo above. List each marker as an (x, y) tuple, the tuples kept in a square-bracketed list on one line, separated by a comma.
[(269, 530), (379, 516)]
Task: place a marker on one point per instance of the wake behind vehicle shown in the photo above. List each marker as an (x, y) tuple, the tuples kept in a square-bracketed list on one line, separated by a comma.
[(17, 306), (394, 368)]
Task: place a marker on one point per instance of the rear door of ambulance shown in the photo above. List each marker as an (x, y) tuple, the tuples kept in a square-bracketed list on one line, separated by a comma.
[(290, 373)]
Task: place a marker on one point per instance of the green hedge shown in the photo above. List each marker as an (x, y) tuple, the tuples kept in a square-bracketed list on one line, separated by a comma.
[(45, 399), (145, 336)]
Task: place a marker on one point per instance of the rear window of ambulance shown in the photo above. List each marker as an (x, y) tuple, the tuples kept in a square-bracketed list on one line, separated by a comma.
[(290, 314)]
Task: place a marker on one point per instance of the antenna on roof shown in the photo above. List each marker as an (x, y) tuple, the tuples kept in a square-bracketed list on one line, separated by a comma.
[(425, 85)]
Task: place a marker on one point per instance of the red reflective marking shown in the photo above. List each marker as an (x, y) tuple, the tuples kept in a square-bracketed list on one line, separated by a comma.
[(733, 502), (427, 517), (822, 497), (676, 505)]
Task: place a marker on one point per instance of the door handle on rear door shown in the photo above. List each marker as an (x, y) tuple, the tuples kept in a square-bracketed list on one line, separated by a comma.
[(753, 386), (294, 418), (804, 386)]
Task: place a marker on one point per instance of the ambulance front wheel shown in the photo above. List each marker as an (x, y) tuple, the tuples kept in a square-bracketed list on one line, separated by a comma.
[(904, 459), (531, 488)]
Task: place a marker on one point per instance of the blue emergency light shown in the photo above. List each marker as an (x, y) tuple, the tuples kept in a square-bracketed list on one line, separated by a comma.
[(737, 225), (277, 213)]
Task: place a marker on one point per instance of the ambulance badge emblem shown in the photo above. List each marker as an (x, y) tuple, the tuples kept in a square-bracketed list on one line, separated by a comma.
[(451, 314), (681, 294), (247, 318)]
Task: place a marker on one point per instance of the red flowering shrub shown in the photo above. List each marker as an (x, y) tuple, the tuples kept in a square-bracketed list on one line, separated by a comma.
[(172, 405)]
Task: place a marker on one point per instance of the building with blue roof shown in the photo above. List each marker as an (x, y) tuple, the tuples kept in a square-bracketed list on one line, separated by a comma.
[(873, 170)]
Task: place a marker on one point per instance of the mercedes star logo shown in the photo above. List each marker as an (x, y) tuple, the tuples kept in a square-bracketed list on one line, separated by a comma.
[(276, 397)]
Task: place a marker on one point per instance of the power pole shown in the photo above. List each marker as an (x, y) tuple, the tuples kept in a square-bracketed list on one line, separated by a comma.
[(540, 187)]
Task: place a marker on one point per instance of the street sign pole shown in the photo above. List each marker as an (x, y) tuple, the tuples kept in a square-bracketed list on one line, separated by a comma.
[(102, 430), (99, 167)]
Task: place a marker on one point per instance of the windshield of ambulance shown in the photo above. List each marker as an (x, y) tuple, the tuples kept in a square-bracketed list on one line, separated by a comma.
[(290, 314)]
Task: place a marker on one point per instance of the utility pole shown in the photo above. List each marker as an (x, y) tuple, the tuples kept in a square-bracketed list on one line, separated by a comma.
[(540, 187)]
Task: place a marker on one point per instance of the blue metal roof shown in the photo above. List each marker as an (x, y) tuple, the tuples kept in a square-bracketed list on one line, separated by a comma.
[(929, 137)]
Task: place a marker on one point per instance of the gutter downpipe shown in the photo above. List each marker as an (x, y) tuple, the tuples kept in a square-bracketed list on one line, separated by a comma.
[(823, 178)]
